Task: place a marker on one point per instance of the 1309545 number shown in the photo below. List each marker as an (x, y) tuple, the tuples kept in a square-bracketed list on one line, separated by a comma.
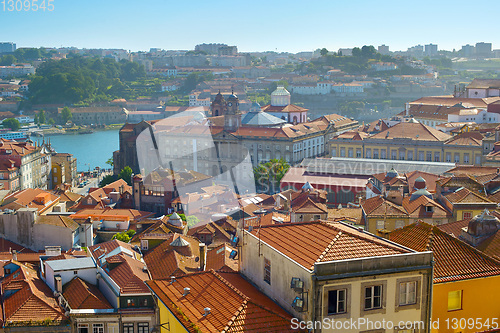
[(26, 5)]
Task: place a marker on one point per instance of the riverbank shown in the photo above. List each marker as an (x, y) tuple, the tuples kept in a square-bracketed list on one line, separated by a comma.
[(76, 130)]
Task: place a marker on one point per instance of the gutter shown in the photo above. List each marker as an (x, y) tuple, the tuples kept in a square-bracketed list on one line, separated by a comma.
[(372, 272), (431, 286)]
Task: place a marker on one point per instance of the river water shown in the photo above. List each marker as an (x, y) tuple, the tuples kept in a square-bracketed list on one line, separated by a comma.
[(90, 150)]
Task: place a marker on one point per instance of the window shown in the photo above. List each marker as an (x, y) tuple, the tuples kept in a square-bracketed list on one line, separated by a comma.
[(128, 328), (130, 302), (408, 293), (380, 224), (393, 154), (457, 158), (334, 152), (429, 209), (448, 157), (400, 224), (349, 152), (382, 154), (373, 297), (455, 300), (401, 155), (429, 156), (466, 158), (358, 153), (342, 152), (368, 153), (375, 153), (143, 302), (410, 156), (143, 327), (98, 328), (83, 328), (436, 157), (75, 272), (420, 155), (467, 215), (337, 301), (267, 270)]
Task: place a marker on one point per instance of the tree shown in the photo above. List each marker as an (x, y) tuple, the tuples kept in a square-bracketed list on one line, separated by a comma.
[(122, 236), (106, 180), (66, 115), (41, 117), (323, 52), (52, 121), (35, 119), (192, 221), (7, 60), (268, 175), (11, 123), (368, 51), (110, 161), (356, 52), (126, 175)]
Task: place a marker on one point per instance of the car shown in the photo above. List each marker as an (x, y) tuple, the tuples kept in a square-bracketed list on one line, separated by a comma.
[(80, 185)]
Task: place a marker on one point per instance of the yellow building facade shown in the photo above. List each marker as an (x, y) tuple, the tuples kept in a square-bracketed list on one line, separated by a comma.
[(407, 141)]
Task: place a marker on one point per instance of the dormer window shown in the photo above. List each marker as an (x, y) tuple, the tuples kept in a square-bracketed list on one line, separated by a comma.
[(429, 209)]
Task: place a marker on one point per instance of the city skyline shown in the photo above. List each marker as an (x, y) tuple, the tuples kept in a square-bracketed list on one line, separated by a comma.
[(261, 26)]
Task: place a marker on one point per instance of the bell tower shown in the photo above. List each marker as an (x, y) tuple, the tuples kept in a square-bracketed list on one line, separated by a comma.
[(232, 117), (219, 106)]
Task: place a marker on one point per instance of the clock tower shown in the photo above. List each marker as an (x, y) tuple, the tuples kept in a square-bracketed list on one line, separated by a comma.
[(218, 106), (232, 116)]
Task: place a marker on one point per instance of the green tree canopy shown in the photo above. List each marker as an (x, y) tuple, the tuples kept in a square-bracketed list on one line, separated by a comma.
[(7, 60), (41, 117), (122, 236), (268, 175), (323, 52), (126, 175), (66, 115), (106, 180), (11, 123)]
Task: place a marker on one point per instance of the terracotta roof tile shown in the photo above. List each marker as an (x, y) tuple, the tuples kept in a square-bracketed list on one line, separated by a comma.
[(240, 313), (218, 259), (455, 260), (83, 295), (310, 242)]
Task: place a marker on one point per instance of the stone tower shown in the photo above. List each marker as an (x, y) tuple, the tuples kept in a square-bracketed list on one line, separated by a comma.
[(219, 106), (232, 116)]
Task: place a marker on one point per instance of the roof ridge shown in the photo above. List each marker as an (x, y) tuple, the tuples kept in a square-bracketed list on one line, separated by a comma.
[(236, 314), (227, 283), (329, 246)]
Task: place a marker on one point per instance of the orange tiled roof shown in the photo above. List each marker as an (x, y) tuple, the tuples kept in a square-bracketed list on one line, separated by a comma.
[(414, 131), (465, 196), (239, 312), (28, 198), (166, 260), (33, 300), (218, 258), (319, 241), (99, 249), (83, 295), (129, 275), (378, 206), (416, 208), (455, 260)]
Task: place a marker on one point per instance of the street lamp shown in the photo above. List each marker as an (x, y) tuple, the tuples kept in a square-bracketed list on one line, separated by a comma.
[(157, 328)]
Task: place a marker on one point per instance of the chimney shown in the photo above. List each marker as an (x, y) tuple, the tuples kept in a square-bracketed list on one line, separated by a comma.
[(207, 311), (172, 279), (186, 291), (203, 256), (14, 255), (58, 284)]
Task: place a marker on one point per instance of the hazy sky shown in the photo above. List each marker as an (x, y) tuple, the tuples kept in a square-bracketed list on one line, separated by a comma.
[(257, 25)]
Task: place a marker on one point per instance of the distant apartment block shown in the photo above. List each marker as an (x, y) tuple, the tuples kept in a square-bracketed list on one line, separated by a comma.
[(345, 52), (98, 115), (16, 70), (383, 49), (229, 60), (416, 51), (468, 50), (228, 50), (431, 50), (190, 60), (212, 48), (483, 49), (7, 47), (384, 66)]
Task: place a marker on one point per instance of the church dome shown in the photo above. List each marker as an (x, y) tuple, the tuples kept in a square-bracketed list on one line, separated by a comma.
[(420, 183), (175, 219), (392, 173), (280, 91), (419, 193), (484, 224), (232, 96)]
